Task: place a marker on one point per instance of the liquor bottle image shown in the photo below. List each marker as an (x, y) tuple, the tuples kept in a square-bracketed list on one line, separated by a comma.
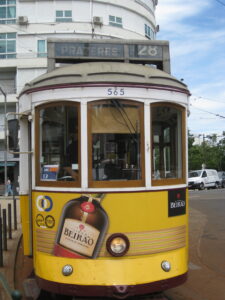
[(82, 228)]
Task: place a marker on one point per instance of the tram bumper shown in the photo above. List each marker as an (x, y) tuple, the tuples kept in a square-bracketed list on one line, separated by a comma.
[(118, 278)]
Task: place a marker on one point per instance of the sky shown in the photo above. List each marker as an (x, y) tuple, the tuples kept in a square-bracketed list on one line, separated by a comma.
[(196, 32)]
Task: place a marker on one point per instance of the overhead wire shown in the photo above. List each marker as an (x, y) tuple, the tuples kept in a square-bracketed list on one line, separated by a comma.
[(206, 99), (209, 112)]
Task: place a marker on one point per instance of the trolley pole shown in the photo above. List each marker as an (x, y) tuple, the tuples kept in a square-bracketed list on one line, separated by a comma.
[(5, 150)]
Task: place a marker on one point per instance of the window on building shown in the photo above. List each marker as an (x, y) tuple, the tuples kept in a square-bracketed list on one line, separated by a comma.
[(7, 45), (41, 48), (64, 16), (7, 11), (115, 21), (116, 152), (8, 81), (149, 33), (168, 140)]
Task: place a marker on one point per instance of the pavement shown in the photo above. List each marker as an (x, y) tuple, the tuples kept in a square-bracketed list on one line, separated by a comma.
[(9, 255)]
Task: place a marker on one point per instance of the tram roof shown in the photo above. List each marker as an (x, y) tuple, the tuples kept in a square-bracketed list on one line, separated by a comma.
[(104, 72)]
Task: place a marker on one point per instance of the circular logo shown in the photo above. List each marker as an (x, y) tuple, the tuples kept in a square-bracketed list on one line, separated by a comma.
[(87, 207), (40, 221), (44, 203), (50, 221)]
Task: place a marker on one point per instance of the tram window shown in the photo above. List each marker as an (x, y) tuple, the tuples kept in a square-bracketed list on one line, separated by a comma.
[(115, 152), (58, 143), (167, 142)]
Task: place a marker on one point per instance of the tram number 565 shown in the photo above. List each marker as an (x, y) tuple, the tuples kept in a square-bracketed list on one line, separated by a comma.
[(114, 91)]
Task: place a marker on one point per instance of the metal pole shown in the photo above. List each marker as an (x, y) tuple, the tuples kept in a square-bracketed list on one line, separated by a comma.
[(1, 244), (10, 221), (5, 150), (4, 224)]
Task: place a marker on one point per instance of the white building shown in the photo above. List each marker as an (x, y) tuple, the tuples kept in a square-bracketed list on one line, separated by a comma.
[(25, 26)]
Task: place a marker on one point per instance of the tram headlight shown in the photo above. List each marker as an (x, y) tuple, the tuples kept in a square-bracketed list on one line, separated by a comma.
[(117, 244)]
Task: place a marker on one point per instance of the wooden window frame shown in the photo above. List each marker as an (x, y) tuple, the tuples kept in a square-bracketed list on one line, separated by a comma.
[(116, 183), (171, 181), (38, 180)]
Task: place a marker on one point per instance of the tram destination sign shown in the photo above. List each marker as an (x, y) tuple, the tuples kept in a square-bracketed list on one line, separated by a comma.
[(112, 50), (89, 50), (107, 50)]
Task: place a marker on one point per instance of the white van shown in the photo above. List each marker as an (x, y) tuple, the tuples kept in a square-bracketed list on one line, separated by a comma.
[(201, 179)]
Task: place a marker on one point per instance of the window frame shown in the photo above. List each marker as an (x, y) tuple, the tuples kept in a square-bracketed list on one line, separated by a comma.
[(63, 18), (115, 22), (149, 32), (39, 53), (116, 183), (7, 40), (38, 180), (7, 5), (170, 181)]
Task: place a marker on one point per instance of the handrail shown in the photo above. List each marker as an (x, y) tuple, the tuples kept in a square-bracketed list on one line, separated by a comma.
[(13, 294)]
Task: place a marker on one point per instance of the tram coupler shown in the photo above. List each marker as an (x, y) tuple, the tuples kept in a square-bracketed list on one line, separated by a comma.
[(121, 291), (31, 289)]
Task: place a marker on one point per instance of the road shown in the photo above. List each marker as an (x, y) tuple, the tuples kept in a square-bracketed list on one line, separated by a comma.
[(207, 248)]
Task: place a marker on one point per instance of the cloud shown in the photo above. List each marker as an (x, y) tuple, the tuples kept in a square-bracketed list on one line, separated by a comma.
[(171, 12), (195, 30)]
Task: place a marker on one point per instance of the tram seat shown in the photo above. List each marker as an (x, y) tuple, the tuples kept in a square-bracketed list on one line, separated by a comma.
[(112, 171)]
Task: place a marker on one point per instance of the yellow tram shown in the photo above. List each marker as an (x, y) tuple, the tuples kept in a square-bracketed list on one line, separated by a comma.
[(103, 170)]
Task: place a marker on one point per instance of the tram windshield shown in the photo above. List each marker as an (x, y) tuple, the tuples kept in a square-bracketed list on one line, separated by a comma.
[(167, 142), (115, 140), (58, 142)]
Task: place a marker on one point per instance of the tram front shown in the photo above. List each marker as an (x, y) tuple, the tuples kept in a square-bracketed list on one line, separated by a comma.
[(105, 199)]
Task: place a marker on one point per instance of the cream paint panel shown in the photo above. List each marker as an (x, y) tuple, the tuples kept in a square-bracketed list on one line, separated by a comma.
[(86, 94), (147, 122), (98, 190), (25, 103), (84, 146), (23, 166)]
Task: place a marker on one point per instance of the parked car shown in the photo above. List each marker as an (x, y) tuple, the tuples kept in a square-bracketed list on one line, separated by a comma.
[(200, 179), (221, 175)]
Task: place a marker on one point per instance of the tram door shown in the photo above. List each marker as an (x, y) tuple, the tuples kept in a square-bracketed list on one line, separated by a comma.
[(19, 143)]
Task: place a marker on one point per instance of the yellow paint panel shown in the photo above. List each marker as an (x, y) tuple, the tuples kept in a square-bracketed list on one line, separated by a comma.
[(143, 217), (131, 271), (134, 212), (26, 226), (141, 243)]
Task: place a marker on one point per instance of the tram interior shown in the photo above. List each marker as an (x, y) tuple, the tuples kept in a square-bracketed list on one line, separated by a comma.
[(115, 141), (116, 157)]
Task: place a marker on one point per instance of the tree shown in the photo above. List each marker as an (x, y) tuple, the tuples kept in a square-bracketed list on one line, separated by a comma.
[(211, 152)]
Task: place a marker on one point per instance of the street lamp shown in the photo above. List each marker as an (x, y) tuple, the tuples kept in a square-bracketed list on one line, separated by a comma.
[(5, 152)]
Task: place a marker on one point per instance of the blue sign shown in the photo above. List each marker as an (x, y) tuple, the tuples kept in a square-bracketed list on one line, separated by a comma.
[(49, 172)]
